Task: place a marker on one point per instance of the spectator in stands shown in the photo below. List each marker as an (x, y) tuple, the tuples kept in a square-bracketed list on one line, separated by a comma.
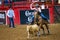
[(6, 2), (10, 14), (11, 1), (0, 2)]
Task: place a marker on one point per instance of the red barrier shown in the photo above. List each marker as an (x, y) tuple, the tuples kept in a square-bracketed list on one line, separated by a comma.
[(17, 16), (19, 6), (51, 14)]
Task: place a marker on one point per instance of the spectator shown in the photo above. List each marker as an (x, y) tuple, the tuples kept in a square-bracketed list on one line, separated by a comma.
[(6, 2), (0, 2), (10, 14)]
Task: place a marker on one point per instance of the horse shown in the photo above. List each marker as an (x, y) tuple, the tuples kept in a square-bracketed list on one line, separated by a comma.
[(40, 22), (37, 25)]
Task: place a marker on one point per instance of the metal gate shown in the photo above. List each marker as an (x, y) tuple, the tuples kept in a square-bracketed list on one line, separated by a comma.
[(57, 13)]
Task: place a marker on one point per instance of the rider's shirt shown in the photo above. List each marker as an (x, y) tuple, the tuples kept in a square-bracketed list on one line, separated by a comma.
[(42, 6)]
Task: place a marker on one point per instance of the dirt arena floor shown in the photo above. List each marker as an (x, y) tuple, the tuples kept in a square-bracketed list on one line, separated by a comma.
[(19, 33)]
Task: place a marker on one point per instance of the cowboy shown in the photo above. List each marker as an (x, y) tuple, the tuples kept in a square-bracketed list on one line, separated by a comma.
[(11, 15), (41, 18), (36, 9)]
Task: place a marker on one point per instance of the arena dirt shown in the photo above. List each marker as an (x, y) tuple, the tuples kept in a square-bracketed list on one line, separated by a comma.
[(20, 33)]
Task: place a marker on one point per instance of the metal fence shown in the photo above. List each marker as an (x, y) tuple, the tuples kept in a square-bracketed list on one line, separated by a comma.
[(57, 13)]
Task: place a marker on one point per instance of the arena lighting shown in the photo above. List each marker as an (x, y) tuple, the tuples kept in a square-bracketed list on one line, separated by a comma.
[(0, 2), (58, 1), (42, 0), (35, 0)]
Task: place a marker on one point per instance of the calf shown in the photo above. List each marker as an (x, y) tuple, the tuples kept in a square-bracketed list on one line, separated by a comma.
[(32, 29)]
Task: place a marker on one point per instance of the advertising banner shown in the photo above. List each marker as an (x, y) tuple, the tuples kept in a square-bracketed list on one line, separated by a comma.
[(27, 15), (24, 14), (2, 18), (58, 1)]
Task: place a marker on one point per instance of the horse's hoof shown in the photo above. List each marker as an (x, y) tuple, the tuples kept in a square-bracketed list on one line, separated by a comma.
[(43, 34), (38, 35), (48, 33), (35, 35)]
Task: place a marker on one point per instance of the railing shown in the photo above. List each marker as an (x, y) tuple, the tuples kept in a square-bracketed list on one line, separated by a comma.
[(21, 4), (57, 13)]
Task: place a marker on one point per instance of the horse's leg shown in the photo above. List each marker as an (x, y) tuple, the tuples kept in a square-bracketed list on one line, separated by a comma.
[(47, 27), (41, 25), (38, 33), (28, 35), (43, 29)]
